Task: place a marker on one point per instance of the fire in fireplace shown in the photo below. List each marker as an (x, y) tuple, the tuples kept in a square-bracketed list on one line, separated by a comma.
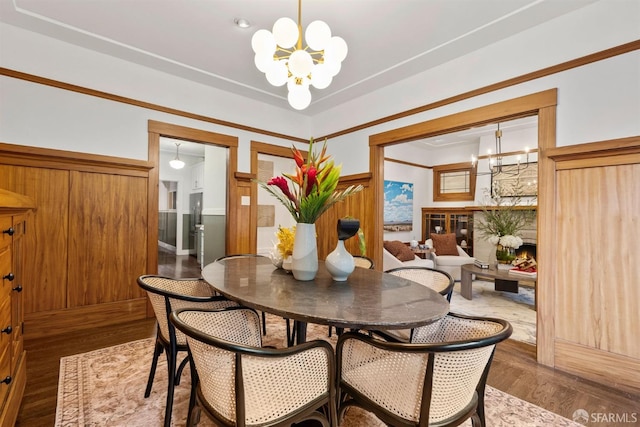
[(527, 250)]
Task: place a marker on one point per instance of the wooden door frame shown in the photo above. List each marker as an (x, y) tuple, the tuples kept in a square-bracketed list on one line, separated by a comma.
[(160, 129), (543, 104)]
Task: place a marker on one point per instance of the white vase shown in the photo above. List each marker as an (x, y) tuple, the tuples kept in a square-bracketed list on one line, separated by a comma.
[(340, 263), (286, 264), (304, 260)]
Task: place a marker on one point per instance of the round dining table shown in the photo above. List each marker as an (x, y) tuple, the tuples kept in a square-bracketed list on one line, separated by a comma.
[(368, 299)]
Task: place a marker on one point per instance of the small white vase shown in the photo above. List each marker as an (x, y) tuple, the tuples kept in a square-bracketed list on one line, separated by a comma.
[(286, 264), (304, 260), (340, 263)]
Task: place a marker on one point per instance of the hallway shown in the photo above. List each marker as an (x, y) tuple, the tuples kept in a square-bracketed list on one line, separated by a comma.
[(180, 266)]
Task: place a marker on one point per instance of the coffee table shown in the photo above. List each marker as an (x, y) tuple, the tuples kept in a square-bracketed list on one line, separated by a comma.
[(502, 279)]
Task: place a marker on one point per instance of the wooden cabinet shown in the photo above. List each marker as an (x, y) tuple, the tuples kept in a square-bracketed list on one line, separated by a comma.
[(197, 176), (14, 210), (449, 220)]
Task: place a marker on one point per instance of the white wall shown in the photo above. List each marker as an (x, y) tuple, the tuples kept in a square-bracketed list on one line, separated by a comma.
[(47, 117), (266, 235), (597, 101), (591, 29), (214, 197)]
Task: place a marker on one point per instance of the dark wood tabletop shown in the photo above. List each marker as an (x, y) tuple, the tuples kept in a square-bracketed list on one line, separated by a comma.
[(369, 299)]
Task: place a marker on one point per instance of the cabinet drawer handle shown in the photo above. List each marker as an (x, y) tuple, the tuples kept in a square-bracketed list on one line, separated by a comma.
[(6, 380), (7, 330), (9, 277), (17, 288), (9, 231)]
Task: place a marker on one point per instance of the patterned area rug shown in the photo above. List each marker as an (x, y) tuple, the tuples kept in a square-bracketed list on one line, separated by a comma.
[(517, 308), (106, 388)]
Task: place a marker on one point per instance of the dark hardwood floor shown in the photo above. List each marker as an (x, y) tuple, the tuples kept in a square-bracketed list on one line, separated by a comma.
[(172, 265), (514, 369)]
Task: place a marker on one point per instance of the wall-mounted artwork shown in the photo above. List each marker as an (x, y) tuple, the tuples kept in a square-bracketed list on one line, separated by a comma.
[(266, 213), (398, 206)]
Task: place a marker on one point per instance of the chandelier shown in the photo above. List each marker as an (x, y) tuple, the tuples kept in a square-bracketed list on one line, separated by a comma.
[(177, 163), (496, 161), (283, 59)]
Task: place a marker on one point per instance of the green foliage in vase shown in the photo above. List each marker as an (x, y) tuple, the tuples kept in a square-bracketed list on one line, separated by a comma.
[(505, 254), (504, 216)]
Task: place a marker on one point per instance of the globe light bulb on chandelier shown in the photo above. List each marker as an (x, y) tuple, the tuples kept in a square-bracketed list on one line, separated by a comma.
[(280, 55)]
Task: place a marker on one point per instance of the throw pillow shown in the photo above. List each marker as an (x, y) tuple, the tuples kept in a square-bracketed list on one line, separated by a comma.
[(399, 250), (445, 244)]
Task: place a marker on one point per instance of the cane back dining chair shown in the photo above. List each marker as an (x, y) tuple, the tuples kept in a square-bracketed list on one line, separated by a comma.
[(167, 294), (363, 262), (290, 330), (236, 382), (437, 379), (439, 281)]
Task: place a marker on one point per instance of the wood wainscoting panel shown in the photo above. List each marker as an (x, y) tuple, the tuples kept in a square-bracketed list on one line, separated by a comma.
[(86, 240), (107, 238), (46, 240), (603, 367), (596, 281), (598, 224), (358, 206), (40, 325)]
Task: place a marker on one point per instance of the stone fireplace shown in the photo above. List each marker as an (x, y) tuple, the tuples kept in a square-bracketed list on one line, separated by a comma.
[(484, 251)]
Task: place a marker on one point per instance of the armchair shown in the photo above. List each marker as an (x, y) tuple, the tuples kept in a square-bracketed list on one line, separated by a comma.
[(396, 254), (450, 263)]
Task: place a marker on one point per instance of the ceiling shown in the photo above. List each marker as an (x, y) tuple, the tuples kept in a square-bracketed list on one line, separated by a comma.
[(388, 40)]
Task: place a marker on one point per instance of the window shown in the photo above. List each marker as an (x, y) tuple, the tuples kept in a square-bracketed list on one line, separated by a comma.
[(454, 182)]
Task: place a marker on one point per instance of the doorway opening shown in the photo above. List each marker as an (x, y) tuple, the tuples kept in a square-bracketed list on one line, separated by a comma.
[(542, 105), (209, 171), (197, 195)]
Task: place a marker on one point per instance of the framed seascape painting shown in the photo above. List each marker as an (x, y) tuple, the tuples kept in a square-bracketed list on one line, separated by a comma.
[(398, 206)]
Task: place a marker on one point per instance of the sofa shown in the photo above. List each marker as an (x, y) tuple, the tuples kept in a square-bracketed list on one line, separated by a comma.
[(394, 256), (448, 262)]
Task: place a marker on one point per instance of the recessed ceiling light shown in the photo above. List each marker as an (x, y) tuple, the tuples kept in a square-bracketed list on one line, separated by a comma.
[(242, 23)]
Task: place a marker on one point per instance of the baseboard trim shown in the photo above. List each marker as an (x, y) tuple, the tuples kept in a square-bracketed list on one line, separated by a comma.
[(39, 325)]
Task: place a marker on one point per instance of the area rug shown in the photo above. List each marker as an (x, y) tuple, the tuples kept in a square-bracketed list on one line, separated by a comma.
[(517, 308), (106, 387)]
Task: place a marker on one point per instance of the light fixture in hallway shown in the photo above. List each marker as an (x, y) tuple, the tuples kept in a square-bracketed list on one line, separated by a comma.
[(177, 163)]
